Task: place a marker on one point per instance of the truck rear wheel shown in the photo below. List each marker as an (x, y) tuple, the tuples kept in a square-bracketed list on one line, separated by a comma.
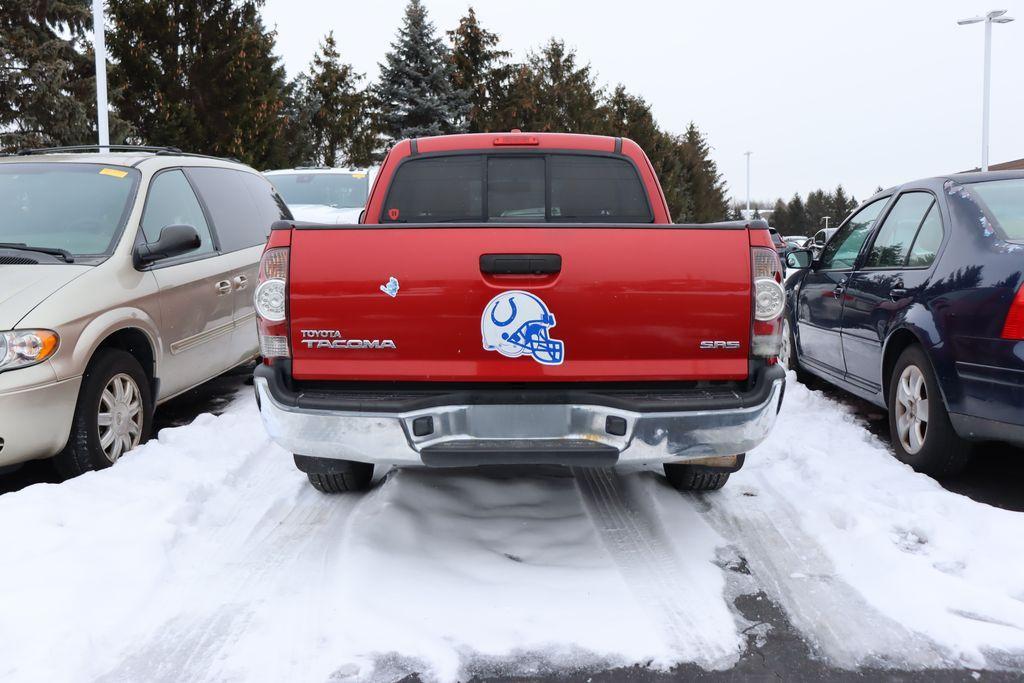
[(328, 475), (684, 477)]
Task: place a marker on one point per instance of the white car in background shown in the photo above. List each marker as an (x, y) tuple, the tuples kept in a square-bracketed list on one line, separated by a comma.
[(323, 195)]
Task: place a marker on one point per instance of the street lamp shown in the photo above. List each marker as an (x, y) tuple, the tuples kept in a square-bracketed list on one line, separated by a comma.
[(997, 16)]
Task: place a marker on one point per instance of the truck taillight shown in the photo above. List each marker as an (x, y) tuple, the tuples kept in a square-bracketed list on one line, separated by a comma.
[(769, 302), (1013, 328), (271, 302)]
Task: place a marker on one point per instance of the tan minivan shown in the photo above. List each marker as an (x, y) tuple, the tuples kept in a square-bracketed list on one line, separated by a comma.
[(125, 280)]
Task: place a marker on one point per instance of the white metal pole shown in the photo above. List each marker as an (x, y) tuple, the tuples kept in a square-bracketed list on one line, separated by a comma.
[(100, 48), (985, 94), (748, 181)]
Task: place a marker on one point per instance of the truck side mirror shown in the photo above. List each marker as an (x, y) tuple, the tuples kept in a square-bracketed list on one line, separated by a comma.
[(174, 240)]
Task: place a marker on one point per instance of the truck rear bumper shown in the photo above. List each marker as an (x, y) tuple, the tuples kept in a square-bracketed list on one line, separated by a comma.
[(572, 427)]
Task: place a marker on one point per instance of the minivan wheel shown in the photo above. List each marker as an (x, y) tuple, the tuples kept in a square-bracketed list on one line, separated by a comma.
[(114, 414), (922, 435)]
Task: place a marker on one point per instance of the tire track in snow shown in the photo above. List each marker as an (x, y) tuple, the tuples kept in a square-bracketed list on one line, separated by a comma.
[(796, 573), (661, 583), (196, 645)]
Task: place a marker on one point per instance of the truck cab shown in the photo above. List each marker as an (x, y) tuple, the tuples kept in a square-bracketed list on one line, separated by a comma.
[(519, 298)]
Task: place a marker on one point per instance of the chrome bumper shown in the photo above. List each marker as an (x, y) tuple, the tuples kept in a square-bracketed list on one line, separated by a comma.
[(388, 438)]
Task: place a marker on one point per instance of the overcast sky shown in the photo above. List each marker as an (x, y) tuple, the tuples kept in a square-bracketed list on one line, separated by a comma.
[(862, 93)]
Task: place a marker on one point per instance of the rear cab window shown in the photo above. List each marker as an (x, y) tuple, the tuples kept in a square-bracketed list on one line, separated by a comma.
[(553, 187)]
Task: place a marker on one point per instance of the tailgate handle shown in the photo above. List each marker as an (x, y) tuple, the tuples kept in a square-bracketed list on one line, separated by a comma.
[(520, 264)]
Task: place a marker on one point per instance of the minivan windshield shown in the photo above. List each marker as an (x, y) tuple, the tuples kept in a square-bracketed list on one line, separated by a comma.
[(1004, 200), (339, 190), (78, 208)]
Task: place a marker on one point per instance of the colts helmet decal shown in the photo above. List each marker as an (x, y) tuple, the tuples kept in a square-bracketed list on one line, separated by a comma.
[(517, 323)]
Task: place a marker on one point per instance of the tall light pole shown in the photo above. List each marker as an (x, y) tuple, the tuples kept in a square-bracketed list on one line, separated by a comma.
[(99, 44), (747, 154), (997, 16)]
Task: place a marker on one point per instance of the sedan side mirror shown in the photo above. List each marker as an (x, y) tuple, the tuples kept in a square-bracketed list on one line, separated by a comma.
[(174, 240), (799, 258)]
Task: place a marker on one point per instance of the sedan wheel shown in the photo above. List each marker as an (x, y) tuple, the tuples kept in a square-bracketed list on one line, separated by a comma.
[(922, 434), (121, 417), (912, 409)]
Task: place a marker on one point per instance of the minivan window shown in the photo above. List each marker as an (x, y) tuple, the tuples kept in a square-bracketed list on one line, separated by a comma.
[(892, 243), (240, 209), (80, 208), (171, 201), (516, 187), (1004, 200)]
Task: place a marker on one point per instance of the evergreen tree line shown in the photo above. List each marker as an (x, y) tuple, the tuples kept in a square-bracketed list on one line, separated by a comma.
[(201, 75), (799, 217)]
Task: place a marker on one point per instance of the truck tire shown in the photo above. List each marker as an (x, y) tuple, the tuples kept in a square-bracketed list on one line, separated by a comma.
[(114, 414), (923, 437), (685, 477), (335, 476)]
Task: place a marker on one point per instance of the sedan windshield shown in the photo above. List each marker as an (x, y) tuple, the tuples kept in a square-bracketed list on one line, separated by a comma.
[(77, 208), (340, 190), (1004, 200)]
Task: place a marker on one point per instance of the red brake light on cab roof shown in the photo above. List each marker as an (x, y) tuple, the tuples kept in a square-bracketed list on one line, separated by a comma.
[(1013, 328), (511, 140)]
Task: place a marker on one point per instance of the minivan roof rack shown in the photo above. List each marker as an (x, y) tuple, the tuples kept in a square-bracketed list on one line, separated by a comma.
[(156, 150), (98, 148)]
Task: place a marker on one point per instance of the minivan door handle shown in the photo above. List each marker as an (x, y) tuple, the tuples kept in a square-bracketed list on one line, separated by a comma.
[(839, 288), (223, 287), (520, 264), (241, 282)]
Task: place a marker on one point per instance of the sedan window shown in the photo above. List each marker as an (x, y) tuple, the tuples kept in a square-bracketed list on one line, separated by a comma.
[(892, 244), (841, 251), (928, 240)]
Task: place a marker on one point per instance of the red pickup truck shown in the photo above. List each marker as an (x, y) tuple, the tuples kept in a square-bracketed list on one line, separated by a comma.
[(519, 299)]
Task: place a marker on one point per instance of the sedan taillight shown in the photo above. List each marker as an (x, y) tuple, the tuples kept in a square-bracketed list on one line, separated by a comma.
[(271, 302), (1013, 328)]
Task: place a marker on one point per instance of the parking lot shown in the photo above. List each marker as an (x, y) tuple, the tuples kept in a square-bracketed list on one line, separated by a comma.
[(205, 556)]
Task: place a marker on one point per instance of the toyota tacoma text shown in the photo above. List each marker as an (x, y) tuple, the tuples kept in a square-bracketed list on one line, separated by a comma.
[(519, 299)]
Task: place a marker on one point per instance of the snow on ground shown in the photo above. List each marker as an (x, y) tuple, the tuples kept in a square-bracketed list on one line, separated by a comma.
[(205, 556)]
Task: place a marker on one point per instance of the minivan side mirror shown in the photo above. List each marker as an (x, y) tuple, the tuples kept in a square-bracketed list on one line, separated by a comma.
[(174, 240), (799, 258)]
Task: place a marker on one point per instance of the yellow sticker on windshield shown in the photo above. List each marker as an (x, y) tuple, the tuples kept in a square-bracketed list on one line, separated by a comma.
[(113, 172), (359, 175)]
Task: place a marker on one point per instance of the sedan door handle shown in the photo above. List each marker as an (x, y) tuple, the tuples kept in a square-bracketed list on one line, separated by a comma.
[(241, 282), (840, 287), (223, 287), (897, 293)]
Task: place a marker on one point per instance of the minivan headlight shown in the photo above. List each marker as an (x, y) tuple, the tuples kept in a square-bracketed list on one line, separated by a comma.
[(20, 348)]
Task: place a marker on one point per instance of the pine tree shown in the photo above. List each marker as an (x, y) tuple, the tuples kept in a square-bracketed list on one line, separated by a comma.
[(553, 92), (840, 204), (47, 77), (334, 106), (415, 92), (701, 179), (818, 206), (798, 216), (201, 75), (478, 70), (780, 217), (736, 214)]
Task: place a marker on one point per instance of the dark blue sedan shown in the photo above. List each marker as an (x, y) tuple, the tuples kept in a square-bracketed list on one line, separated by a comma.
[(916, 305)]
